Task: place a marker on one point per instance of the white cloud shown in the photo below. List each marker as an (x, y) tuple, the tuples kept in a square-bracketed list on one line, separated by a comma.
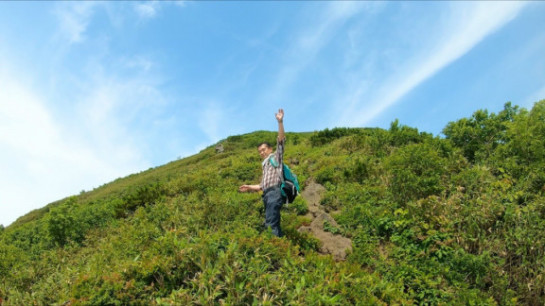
[(469, 24)]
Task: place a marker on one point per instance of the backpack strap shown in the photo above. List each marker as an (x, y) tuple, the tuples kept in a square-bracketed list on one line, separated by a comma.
[(273, 161)]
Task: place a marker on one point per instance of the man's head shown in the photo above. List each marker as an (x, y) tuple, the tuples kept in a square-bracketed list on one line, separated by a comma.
[(264, 149)]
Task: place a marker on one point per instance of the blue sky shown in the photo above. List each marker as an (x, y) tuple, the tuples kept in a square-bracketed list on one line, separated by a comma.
[(93, 91)]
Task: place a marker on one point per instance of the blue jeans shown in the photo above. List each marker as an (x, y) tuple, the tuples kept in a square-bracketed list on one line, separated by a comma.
[(273, 201)]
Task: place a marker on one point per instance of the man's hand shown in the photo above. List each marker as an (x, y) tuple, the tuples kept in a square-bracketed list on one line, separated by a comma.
[(280, 115), (244, 188)]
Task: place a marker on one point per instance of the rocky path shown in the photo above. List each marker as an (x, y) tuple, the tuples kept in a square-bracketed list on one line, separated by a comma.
[(335, 245)]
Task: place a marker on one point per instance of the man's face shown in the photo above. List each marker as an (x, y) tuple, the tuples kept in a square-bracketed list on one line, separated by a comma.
[(264, 151)]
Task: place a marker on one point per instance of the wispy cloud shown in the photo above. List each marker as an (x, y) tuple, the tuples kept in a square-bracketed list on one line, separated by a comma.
[(210, 121), (310, 42), (536, 96), (74, 19), (180, 3), (148, 9), (140, 63), (216, 120), (468, 25), (105, 135), (42, 152), (100, 130), (117, 109)]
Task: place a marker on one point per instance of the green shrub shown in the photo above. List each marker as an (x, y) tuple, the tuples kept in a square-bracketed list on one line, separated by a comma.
[(326, 136), (135, 197)]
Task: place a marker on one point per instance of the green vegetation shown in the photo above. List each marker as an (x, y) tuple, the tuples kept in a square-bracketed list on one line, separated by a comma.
[(453, 220)]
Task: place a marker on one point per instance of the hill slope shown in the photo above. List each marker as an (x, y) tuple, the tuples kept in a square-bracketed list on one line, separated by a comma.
[(456, 220)]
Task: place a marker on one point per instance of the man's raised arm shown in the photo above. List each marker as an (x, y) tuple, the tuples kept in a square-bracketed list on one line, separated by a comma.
[(280, 119)]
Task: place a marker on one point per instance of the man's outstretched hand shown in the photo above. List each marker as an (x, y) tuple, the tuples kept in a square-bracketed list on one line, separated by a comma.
[(249, 188), (244, 188), (280, 115)]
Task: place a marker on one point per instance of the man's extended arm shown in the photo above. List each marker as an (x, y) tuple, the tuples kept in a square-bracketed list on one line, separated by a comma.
[(246, 188)]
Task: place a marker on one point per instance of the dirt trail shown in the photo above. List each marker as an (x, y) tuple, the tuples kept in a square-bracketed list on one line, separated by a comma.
[(335, 245)]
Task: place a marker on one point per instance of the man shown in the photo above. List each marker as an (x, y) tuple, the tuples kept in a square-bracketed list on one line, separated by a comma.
[(270, 182)]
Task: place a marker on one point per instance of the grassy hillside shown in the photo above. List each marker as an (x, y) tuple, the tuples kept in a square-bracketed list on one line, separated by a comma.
[(453, 220)]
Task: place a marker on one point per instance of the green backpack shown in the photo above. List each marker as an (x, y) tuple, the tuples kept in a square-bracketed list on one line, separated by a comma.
[(290, 186)]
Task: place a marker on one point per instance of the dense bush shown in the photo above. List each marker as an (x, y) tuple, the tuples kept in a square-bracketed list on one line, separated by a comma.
[(481, 134), (416, 171)]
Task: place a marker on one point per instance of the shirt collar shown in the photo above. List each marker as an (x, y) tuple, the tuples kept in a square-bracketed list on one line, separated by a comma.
[(266, 160)]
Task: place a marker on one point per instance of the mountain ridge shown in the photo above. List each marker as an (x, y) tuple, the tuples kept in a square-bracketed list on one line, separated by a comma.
[(453, 220)]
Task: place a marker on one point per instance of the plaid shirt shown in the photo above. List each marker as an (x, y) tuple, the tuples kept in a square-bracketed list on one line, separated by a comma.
[(271, 175)]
